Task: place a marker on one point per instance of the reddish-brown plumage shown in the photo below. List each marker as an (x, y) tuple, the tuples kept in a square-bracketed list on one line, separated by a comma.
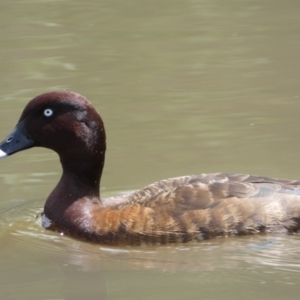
[(173, 210)]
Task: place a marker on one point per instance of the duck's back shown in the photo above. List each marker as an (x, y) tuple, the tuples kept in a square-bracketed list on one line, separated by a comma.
[(207, 205)]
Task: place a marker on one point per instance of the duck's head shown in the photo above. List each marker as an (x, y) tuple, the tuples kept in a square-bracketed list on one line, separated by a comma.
[(64, 122)]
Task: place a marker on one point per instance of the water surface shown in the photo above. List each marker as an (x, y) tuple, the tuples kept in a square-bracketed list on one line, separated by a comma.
[(184, 87)]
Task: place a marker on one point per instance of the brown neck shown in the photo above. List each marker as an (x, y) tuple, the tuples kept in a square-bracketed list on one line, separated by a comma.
[(80, 180), (84, 168)]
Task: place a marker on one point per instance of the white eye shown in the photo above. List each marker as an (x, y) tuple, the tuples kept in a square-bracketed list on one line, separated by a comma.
[(48, 112)]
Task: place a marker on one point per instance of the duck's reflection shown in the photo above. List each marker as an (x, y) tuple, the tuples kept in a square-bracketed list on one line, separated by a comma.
[(82, 272), (83, 283)]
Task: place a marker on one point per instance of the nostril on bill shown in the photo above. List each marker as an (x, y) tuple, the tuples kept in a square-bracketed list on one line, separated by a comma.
[(9, 139)]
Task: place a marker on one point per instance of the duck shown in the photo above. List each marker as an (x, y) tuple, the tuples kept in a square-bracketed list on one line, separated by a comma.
[(173, 210)]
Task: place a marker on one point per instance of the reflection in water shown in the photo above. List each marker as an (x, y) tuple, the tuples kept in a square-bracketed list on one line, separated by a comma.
[(90, 278)]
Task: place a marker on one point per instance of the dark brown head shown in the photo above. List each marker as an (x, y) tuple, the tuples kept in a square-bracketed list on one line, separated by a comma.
[(66, 123)]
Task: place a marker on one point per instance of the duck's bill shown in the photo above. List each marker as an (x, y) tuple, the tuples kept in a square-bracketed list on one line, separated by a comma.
[(16, 141)]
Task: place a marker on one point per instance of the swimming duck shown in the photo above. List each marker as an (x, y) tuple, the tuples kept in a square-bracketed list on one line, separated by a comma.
[(178, 209)]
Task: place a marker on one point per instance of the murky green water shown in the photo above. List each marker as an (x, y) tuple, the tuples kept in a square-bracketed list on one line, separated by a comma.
[(183, 87)]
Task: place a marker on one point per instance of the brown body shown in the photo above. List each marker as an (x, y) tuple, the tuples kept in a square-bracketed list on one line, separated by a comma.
[(187, 208), (173, 210)]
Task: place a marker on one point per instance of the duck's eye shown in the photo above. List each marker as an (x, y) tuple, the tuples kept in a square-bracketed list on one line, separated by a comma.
[(48, 112)]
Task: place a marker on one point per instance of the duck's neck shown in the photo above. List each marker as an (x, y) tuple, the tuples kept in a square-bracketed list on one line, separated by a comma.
[(80, 183)]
